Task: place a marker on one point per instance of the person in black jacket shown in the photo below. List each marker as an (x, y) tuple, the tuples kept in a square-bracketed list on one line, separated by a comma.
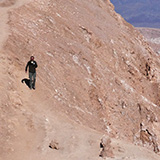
[(32, 71)]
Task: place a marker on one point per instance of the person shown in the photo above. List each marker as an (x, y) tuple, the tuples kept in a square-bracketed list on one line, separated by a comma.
[(32, 64)]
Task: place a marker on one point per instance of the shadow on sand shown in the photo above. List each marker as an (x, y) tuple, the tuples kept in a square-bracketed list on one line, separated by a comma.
[(27, 82)]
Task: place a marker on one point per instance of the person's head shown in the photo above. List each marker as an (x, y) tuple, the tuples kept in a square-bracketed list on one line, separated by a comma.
[(32, 58)]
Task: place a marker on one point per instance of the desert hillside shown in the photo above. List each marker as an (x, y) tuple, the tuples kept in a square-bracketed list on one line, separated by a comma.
[(96, 77)]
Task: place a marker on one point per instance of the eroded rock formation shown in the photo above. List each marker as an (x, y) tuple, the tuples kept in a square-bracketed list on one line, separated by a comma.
[(95, 70)]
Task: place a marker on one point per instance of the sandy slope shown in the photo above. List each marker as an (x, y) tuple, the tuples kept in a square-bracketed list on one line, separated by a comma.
[(29, 121), (37, 125)]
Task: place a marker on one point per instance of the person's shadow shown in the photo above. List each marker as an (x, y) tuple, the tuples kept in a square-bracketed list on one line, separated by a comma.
[(27, 82)]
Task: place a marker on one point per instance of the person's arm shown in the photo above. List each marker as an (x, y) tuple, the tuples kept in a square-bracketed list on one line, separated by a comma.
[(36, 64), (26, 67)]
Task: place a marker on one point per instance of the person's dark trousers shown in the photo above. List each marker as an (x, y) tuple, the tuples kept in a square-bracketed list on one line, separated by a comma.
[(32, 78)]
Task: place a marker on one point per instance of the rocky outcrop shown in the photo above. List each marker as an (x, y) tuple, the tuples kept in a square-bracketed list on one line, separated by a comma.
[(106, 148), (54, 145), (94, 68)]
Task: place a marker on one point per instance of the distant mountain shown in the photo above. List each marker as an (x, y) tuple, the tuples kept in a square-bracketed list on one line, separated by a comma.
[(152, 36), (140, 13)]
